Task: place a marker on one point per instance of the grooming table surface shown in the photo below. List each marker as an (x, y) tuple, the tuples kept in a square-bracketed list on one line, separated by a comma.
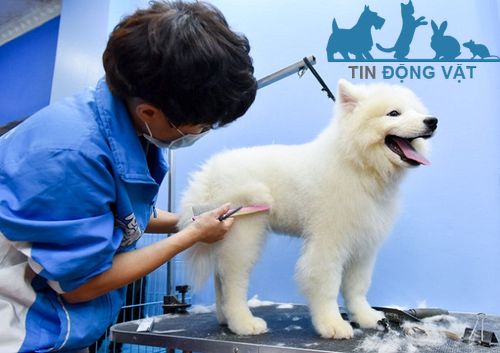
[(290, 330)]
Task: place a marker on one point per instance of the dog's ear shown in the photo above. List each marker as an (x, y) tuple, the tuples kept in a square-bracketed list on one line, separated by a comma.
[(346, 92)]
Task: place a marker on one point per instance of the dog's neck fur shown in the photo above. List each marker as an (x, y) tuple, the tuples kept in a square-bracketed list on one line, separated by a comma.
[(375, 179)]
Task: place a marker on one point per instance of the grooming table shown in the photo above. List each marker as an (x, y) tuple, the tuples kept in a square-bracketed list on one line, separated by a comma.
[(290, 330)]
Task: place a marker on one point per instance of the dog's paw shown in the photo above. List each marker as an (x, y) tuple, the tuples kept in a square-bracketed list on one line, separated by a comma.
[(333, 328), (368, 318), (248, 326)]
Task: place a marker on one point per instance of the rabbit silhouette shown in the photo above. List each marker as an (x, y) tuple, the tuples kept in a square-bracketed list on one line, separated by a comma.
[(446, 47)]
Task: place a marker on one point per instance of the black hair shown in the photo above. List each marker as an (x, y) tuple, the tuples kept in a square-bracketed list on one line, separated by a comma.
[(183, 58), (10, 125)]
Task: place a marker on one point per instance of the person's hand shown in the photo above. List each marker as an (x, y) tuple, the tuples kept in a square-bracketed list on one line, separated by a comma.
[(209, 228)]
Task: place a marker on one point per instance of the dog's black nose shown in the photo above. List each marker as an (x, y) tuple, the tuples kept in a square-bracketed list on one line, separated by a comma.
[(431, 123)]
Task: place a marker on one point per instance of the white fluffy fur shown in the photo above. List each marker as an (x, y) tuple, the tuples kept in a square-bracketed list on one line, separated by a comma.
[(338, 192)]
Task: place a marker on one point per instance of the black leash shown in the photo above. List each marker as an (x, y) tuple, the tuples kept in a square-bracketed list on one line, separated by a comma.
[(320, 80)]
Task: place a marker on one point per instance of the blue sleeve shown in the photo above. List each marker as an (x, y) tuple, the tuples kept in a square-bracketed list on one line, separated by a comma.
[(57, 206)]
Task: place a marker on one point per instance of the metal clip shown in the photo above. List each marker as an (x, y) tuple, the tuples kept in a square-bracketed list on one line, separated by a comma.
[(482, 337), (302, 71)]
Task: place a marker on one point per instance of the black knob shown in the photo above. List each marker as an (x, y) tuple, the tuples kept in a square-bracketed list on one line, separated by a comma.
[(182, 289)]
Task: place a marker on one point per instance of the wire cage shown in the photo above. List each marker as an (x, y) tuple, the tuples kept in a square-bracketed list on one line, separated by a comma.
[(144, 299)]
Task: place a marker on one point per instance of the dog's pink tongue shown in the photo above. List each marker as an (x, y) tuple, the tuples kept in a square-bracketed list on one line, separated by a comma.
[(410, 152)]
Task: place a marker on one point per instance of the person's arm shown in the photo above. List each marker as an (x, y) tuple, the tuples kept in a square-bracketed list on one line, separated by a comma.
[(165, 222), (130, 266)]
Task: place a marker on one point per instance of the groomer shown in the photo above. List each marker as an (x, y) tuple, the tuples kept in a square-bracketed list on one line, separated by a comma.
[(79, 179)]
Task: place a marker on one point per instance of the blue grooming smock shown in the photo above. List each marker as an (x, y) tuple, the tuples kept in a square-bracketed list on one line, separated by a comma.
[(76, 188)]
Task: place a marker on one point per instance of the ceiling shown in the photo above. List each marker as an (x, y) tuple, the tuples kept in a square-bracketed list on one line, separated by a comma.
[(20, 16)]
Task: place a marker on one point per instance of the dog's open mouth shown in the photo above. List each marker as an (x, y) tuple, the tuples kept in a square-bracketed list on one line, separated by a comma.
[(403, 148)]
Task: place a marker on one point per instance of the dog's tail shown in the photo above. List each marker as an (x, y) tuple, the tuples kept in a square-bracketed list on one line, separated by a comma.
[(199, 258), (385, 50), (200, 264)]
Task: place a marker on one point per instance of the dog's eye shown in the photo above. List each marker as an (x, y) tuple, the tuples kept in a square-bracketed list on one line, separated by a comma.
[(394, 113)]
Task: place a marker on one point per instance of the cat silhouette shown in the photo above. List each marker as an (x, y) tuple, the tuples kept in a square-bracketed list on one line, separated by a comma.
[(410, 24), (356, 40)]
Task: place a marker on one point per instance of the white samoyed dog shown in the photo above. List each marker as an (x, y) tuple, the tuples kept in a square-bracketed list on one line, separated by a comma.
[(338, 192)]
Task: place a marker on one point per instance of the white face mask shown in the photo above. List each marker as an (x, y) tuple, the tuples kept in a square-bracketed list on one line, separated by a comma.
[(185, 140)]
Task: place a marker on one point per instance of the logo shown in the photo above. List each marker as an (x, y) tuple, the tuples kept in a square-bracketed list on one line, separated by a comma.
[(356, 44), (131, 230)]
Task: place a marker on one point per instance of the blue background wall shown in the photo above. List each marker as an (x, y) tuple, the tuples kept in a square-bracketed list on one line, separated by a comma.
[(445, 248), (26, 69)]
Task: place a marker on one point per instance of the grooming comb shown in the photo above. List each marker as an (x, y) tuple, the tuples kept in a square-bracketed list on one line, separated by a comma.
[(243, 211)]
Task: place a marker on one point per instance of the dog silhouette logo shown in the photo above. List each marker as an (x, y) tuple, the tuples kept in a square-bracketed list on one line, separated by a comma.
[(356, 43), (357, 40)]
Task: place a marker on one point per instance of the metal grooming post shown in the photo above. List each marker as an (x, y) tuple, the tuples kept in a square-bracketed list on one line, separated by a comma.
[(170, 208), (298, 68)]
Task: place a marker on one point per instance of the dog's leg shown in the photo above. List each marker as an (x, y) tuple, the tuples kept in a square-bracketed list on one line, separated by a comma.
[(219, 299), (235, 260), (319, 275), (355, 284), (345, 55), (367, 55)]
